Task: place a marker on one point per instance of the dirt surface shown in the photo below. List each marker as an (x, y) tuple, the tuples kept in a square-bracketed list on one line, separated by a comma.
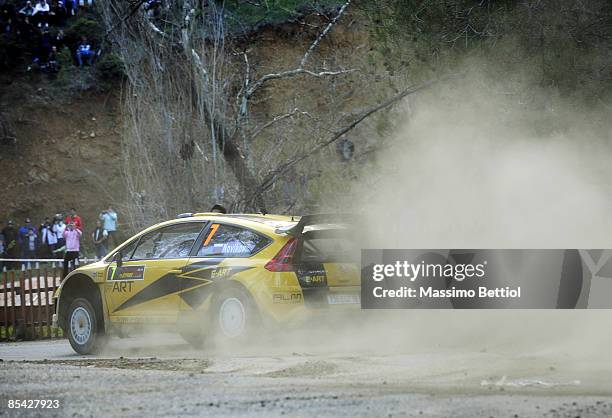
[(162, 376), (67, 152)]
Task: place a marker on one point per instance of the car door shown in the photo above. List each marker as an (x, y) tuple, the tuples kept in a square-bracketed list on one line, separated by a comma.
[(146, 285), (222, 251)]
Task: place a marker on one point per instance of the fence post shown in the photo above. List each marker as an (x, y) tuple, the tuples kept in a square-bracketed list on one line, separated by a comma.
[(23, 323), (6, 311), (54, 332), (46, 287), (39, 308), (12, 297)]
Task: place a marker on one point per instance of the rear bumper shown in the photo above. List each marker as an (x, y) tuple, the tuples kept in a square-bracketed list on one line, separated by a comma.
[(332, 298)]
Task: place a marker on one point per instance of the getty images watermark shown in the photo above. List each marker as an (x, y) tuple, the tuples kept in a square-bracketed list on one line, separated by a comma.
[(524, 279), (423, 271)]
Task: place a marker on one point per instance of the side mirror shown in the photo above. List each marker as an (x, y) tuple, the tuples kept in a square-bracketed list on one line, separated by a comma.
[(118, 258)]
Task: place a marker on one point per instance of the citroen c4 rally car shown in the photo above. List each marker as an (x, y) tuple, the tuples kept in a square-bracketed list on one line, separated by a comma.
[(212, 275)]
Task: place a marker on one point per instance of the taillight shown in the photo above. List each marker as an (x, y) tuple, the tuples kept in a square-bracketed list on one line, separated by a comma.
[(283, 260)]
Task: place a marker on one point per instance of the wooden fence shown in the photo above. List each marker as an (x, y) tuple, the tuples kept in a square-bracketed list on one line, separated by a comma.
[(26, 300)]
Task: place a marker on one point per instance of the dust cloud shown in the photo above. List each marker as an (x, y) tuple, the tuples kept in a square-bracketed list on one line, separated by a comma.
[(476, 165), (483, 163), (486, 165)]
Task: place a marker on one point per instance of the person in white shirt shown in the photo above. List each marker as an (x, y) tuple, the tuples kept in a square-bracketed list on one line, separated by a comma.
[(58, 228), (41, 12), (41, 7), (48, 238)]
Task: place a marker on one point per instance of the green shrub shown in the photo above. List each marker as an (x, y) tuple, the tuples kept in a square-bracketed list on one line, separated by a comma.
[(110, 67), (89, 28)]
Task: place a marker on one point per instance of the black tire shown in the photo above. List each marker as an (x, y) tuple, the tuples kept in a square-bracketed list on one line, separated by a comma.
[(82, 327), (195, 338), (235, 317)]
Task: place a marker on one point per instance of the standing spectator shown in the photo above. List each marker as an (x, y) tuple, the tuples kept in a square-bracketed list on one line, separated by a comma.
[(52, 65), (72, 235), (10, 242), (27, 240), (41, 12), (31, 245), (1, 250), (100, 238), (48, 239), (71, 7), (74, 218), (109, 219), (59, 40), (27, 10), (58, 228), (84, 50)]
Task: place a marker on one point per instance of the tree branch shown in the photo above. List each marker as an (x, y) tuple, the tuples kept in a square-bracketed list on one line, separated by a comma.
[(292, 73), (274, 120), (323, 34), (300, 69), (275, 174)]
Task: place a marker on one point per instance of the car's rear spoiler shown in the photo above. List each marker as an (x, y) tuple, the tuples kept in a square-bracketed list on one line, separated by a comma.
[(318, 222)]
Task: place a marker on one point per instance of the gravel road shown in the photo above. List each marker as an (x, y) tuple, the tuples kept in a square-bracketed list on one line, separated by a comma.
[(168, 378)]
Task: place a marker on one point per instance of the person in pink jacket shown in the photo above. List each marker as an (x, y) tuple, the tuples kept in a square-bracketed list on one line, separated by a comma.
[(72, 235)]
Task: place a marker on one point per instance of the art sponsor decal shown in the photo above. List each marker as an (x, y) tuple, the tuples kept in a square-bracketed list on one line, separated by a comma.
[(193, 284), (489, 279), (132, 272)]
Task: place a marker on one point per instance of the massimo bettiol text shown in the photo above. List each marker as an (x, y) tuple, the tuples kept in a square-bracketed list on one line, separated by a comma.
[(485, 279), (422, 270)]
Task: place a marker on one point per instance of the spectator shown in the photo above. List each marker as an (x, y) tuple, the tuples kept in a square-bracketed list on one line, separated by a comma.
[(74, 218), (1, 250), (48, 239), (10, 241), (109, 219), (218, 209), (41, 12), (30, 246), (52, 65), (71, 7), (100, 238), (27, 240), (27, 10), (84, 51), (152, 7), (46, 40), (72, 235), (57, 13), (59, 39), (58, 228)]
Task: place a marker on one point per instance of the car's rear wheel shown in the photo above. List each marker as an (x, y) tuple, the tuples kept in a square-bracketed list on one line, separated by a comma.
[(195, 338), (82, 327), (235, 316)]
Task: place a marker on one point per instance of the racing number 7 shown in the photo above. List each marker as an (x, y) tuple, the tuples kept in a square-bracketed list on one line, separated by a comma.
[(213, 230)]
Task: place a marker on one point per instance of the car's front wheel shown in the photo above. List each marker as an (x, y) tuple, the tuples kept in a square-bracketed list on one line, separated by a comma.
[(82, 327)]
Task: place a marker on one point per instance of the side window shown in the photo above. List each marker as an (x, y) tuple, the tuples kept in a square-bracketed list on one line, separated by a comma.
[(126, 252), (231, 241), (174, 241)]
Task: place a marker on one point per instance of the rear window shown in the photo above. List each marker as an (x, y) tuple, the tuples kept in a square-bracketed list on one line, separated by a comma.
[(328, 249), (231, 241)]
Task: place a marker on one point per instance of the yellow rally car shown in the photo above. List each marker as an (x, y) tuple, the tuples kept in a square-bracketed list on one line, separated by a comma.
[(212, 275)]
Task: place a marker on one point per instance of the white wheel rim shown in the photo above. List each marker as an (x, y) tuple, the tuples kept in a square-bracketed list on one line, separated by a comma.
[(232, 317), (80, 325)]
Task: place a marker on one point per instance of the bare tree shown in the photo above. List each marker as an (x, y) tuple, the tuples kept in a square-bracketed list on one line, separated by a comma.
[(192, 99)]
